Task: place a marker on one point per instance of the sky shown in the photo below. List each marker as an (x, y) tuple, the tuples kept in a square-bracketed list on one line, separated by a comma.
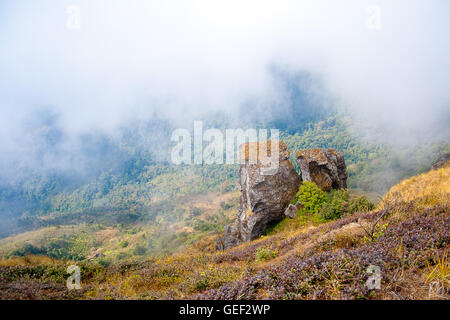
[(98, 65)]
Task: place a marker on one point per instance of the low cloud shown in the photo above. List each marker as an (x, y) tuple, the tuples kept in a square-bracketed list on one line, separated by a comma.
[(181, 60)]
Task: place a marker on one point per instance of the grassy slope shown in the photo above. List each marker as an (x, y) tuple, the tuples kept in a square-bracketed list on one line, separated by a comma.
[(303, 260)]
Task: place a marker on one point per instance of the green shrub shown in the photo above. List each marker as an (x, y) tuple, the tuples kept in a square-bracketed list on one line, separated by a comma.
[(311, 196), (26, 249), (74, 247), (332, 205), (122, 255), (104, 262), (336, 205), (225, 205), (265, 254), (360, 204), (202, 283), (140, 250), (123, 243)]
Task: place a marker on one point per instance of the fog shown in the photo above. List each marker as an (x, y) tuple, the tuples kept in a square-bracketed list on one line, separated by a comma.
[(95, 66)]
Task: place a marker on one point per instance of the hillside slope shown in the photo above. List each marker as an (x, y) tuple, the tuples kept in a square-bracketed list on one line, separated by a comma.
[(406, 239), (152, 206)]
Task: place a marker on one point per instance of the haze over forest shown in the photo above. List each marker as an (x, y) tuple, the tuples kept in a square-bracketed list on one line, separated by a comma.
[(130, 61)]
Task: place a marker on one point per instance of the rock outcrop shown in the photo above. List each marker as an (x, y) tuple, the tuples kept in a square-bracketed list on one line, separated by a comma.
[(291, 210), (442, 161), (267, 186), (326, 168)]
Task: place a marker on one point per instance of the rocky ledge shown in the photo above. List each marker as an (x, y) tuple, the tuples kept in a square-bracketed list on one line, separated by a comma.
[(326, 168), (268, 184)]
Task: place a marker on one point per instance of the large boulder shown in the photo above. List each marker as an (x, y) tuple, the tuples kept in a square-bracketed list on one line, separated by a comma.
[(267, 186), (326, 168)]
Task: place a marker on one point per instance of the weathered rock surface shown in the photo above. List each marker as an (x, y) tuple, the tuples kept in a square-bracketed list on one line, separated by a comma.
[(442, 161), (267, 186), (326, 168), (291, 210)]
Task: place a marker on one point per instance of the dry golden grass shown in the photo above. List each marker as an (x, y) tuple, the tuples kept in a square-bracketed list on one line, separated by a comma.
[(27, 260), (439, 276), (426, 190)]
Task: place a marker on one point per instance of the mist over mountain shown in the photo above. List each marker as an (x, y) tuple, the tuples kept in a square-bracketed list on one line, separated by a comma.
[(90, 92), (182, 61)]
